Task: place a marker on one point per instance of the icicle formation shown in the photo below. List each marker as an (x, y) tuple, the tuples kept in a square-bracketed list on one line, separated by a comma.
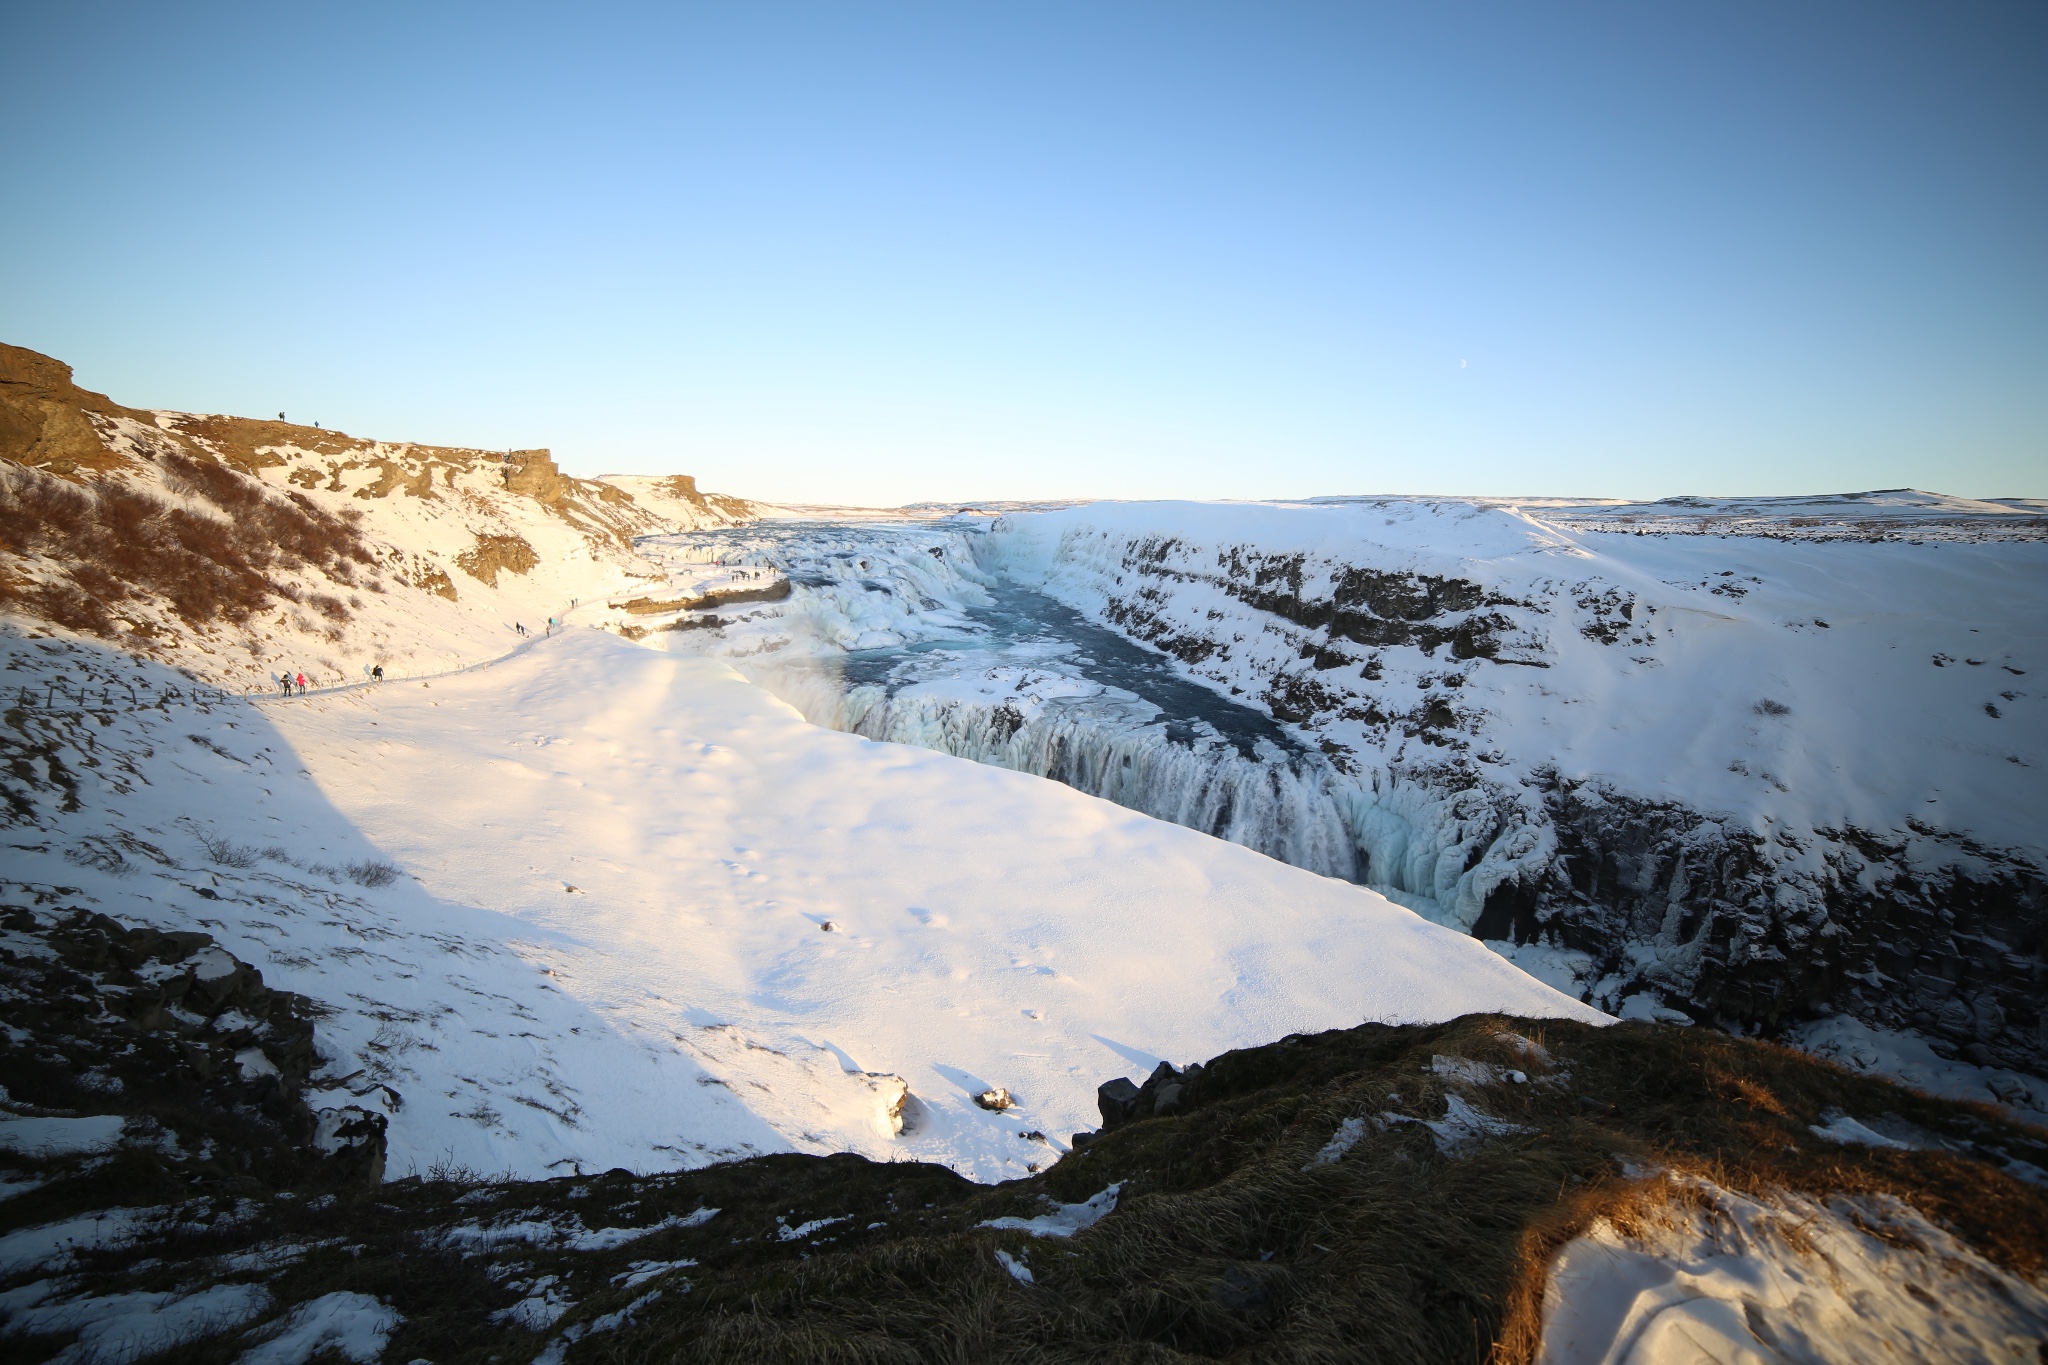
[(1279, 805)]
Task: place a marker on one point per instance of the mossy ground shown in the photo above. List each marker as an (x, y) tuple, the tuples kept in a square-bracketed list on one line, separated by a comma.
[(1229, 1239)]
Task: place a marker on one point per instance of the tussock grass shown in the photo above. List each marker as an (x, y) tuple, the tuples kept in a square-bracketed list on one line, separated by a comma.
[(371, 872), (1230, 1240), (115, 541)]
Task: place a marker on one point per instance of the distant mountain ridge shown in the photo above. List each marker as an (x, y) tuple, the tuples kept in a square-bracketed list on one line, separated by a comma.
[(240, 548), (1885, 514)]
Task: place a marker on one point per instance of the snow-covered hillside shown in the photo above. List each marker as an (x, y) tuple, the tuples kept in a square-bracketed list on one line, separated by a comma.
[(677, 502), (241, 550), (651, 918), (1786, 780), (1893, 514), (1765, 774)]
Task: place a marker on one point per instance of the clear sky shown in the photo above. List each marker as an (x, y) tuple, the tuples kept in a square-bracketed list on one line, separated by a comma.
[(880, 252)]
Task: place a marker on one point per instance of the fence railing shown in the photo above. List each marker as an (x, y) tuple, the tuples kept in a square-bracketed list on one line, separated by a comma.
[(51, 695)]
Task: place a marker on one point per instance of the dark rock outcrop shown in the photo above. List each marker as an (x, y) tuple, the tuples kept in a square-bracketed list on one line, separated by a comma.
[(1165, 1091), (207, 1064), (1950, 939)]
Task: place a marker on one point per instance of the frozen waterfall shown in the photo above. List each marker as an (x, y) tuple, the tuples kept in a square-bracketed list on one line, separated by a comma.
[(1108, 746), (896, 634)]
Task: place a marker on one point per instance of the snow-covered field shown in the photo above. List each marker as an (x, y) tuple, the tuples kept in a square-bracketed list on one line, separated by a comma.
[(1773, 763), (610, 947)]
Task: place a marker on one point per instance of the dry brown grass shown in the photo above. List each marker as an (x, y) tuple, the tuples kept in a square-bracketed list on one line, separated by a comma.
[(1229, 1242), (112, 541)]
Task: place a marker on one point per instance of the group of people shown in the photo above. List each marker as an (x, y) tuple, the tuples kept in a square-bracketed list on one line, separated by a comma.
[(295, 680), (291, 681)]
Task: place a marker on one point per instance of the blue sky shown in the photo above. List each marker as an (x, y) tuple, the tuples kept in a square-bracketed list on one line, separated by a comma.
[(884, 252)]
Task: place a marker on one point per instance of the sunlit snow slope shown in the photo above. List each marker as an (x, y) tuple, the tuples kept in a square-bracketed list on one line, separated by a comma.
[(608, 948), (671, 843)]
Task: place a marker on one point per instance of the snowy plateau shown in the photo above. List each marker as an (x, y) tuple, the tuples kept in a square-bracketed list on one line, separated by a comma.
[(465, 826)]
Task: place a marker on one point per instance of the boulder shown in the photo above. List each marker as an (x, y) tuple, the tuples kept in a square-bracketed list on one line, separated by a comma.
[(1118, 1101)]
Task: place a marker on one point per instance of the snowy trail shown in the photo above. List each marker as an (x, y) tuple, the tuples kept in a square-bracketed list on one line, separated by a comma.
[(391, 677), (670, 840)]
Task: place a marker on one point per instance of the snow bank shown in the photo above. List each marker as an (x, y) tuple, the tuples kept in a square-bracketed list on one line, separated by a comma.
[(53, 1245), (670, 843), (59, 1136), (1065, 1220), (354, 1326), (1727, 1277), (114, 1329)]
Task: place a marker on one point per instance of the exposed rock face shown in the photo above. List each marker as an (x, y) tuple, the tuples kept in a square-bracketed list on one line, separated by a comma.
[(46, 421), (1447, 687), (678, 502), (493, 553), (535, 474), (774, 591), (1362, 606), (1955, 950), (184, 1040), (1165, 1091)]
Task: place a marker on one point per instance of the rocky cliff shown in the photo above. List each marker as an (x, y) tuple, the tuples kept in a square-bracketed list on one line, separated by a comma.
[(242, 549), (681, 506), (1744, 765)]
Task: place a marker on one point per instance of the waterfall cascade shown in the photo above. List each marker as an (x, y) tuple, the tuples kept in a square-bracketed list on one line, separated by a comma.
[(911, 635), (1117, 748)]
